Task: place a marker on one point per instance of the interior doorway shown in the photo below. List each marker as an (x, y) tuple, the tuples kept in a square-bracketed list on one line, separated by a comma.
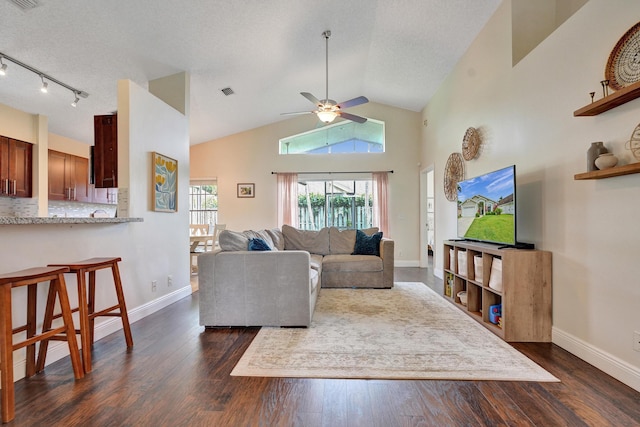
[(427, 217)]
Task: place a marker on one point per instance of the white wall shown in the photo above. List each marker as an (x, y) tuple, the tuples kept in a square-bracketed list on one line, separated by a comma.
[(525, 115), (150, 250), (251, 157)]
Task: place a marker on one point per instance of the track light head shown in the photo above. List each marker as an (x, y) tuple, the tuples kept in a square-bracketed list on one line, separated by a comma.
[(45, 85), (75, 101), (3, 68)]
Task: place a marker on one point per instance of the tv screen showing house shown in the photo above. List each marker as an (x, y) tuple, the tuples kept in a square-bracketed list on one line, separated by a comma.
[(486, 207)]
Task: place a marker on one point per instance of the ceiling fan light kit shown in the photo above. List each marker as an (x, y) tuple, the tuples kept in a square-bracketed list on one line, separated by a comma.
[(328, 109)]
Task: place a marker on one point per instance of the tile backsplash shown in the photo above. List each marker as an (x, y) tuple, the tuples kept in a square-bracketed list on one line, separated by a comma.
[(28, 207), (14, 206)]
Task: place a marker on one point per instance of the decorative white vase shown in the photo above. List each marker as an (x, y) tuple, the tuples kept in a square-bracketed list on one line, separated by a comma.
[(606, 161)]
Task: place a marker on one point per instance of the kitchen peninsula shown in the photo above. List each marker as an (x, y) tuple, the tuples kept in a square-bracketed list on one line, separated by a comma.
[(6, 220)]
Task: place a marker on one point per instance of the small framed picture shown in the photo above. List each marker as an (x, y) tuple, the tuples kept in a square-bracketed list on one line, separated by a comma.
[(246, 190)]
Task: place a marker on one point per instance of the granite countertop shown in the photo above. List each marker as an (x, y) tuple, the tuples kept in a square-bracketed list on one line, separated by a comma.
[(7, 220)]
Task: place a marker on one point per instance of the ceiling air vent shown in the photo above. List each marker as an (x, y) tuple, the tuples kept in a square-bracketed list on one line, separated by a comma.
[(227, 91), (25, 4)]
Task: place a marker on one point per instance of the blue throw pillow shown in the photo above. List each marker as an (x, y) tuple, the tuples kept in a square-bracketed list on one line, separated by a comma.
[(367, 245), (258, 245)]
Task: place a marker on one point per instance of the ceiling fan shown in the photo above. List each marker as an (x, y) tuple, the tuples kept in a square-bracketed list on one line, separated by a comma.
[(328, 109)]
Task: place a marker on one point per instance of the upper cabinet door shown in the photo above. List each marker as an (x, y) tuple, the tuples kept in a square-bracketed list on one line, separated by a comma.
[(20, 153), (15, 168), (105, 160), (68, 177), (58, 177)]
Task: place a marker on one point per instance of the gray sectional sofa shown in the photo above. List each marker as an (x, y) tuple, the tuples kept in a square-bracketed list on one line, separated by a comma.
[(279, 286)]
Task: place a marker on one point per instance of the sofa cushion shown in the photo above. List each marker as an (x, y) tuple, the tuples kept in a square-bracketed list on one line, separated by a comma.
[(367, 245), (262, 235), (313, 281), (233, 241), (344, 241), (315, 261), (315, 242), (258, 245), (341, 241), (335, 263), (277, 237)]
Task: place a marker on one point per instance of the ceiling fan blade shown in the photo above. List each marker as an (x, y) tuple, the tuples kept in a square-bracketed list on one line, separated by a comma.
[(352, 117), (353, 102), (295, 113), (311, 98)]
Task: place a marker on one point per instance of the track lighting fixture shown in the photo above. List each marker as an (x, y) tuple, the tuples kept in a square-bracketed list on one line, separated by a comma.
[(45, 85)]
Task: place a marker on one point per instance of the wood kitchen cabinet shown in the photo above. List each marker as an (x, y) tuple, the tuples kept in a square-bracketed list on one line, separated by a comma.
[(107, 196), (68, 177), (105, 154), (15, 167)]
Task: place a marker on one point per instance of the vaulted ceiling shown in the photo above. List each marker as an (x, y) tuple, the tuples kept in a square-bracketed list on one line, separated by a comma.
[(395, 52)]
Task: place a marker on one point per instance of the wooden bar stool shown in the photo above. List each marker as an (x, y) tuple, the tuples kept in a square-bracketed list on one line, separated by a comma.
[(87, 306), (31, 277)]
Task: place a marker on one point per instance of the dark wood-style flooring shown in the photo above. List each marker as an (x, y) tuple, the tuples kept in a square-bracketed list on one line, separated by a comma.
[(177, 374)]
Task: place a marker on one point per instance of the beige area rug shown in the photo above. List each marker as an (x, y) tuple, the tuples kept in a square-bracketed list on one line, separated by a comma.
[(408, 332)]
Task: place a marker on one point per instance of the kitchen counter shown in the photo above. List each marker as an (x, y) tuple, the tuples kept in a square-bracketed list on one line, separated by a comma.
[(7, 220)]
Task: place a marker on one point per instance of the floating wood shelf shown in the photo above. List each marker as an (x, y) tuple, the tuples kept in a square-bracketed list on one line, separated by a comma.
[(611, 172), (614, 100)]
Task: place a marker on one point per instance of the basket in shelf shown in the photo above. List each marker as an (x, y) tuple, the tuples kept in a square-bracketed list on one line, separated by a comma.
[(477, 267), (495, 279), (462, 263)]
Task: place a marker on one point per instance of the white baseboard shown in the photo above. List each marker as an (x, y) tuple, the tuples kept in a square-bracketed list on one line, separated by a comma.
[(407, 263), (618, 369), (57, 350)]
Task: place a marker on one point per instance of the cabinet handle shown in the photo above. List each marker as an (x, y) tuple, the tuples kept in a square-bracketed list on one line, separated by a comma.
[(15, 187), (5, 187)]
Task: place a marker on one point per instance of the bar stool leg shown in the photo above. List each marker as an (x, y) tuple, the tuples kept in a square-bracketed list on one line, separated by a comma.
[(123, 306), (70, 329), (92, 303), (6, 356), (32, 297), (85, 335), (46, 325)]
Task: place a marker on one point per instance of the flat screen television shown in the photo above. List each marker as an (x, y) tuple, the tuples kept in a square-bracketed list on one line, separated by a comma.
[(487, 207)]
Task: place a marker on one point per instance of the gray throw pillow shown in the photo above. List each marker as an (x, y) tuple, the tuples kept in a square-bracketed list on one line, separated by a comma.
[(233, 241), (341, 242), (315, 242)]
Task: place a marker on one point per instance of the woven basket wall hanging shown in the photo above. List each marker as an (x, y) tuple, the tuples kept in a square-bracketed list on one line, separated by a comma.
[(623, 66), (470, 144), (453, 173)]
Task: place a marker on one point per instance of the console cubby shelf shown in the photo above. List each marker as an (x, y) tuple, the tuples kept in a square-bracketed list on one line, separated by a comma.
[(525, 294)]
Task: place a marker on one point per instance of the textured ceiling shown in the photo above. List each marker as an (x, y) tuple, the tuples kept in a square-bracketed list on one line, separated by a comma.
[(393, 52)]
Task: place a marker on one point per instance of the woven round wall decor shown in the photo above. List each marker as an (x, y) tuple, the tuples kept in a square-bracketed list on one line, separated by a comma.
[(470, 144), (453, 173), (623, 66)]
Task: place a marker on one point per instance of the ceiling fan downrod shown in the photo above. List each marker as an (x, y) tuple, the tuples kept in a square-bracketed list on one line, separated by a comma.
[(326, 35)]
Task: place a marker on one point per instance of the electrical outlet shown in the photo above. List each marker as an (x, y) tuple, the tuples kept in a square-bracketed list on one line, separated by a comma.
[(154, 284), (636, 341), (170, 280)]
